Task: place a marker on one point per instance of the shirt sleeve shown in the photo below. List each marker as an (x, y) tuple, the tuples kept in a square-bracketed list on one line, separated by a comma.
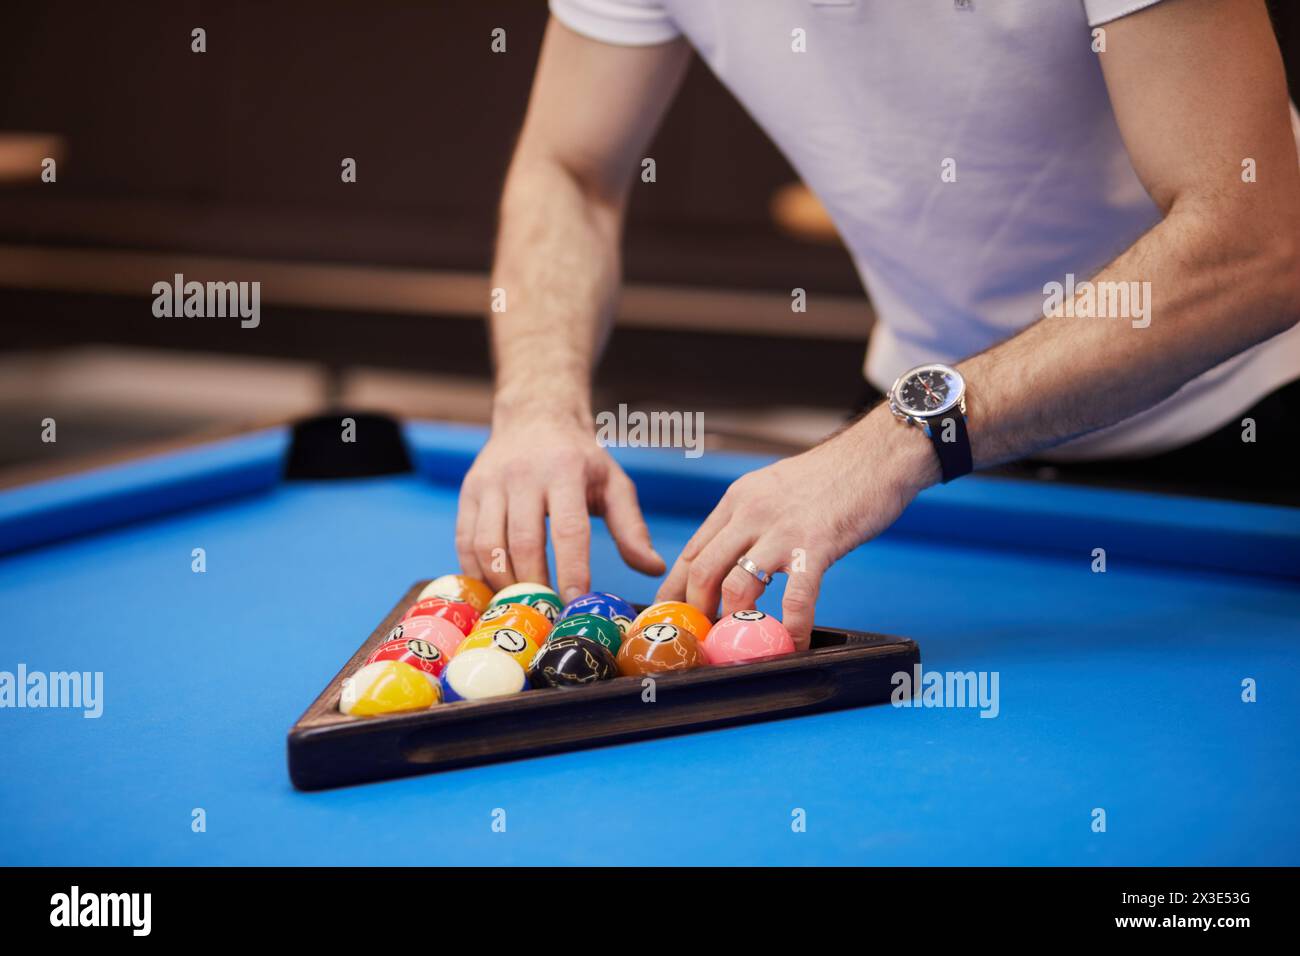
[(1103, 11), (625, 22)]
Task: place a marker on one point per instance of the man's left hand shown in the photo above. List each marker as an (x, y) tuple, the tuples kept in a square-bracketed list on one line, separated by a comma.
[(799, 516)]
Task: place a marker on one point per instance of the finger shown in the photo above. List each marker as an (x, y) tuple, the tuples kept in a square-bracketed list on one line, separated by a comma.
[(571, 535), (466, 518), (526, 535), (490, 540), (798, 601), (674, 586), (706, 532), (627, 525), (740, 589), (704, 580)]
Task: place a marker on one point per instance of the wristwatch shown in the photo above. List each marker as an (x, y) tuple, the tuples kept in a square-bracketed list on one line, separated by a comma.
[(933, 397)]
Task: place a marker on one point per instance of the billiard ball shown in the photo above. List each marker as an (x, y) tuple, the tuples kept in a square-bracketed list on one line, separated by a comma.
[(388, 687), (534, 595), (745, 636), (521, 617), (659, 647), (437, 631), (674, 612), (593, 626), (515, 643), (522, 587), (571, 662), (422, 655), (606, 605), (459, 587), (462, 615), (481, 672)]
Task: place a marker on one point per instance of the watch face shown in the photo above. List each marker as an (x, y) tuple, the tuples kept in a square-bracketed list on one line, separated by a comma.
[(929, 390)]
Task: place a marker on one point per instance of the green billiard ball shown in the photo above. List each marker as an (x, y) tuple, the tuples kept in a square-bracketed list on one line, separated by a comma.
[(535, 596), (592, 626)]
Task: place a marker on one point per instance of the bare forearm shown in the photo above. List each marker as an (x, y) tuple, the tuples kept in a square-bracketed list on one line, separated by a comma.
[(558, 264), (1200, 98), (1215, 290)]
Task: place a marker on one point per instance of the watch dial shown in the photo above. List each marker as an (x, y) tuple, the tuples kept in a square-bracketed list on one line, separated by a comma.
[(927, 391)]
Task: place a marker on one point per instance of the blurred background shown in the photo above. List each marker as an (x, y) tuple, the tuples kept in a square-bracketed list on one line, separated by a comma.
[(226, 165)]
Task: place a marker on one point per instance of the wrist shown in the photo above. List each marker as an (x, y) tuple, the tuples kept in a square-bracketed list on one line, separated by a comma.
[(543, 402), (905, 455)]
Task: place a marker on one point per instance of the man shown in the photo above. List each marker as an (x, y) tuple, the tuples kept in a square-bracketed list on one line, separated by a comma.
[(971, 152)]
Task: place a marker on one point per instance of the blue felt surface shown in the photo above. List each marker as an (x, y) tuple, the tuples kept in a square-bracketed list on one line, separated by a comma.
[(988, 513), (49, 510), (1119, 691)]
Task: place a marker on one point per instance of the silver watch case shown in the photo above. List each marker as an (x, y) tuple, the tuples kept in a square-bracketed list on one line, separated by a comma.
[(923, 419)]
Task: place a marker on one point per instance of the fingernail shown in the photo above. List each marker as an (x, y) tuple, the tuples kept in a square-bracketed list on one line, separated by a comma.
[(572, 593)]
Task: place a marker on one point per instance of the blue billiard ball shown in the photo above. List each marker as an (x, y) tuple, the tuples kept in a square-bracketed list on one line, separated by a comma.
[(606, 605)]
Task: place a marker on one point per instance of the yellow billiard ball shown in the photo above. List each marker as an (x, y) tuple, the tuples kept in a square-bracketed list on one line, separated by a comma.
[(388, 687), (515, 643)]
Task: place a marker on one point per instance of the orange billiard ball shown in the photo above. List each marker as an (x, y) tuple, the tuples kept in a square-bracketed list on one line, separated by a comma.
[(659, 647), (675, 612), (521, 617), (459, 587)]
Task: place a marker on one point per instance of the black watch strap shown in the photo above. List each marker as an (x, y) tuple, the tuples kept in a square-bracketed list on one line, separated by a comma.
[(951, 443)]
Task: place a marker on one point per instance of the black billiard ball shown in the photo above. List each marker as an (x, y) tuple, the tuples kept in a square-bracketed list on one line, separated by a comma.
[(571, 662)]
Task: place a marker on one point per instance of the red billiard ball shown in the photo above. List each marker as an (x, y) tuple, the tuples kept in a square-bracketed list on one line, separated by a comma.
[(458, 613), (437, 631), (746, 636), (421, 654)]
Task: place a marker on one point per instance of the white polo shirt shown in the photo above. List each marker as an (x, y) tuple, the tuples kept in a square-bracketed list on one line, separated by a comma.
[(1011, 91)]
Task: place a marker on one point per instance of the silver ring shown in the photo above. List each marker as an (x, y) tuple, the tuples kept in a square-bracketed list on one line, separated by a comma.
[(747, 565)]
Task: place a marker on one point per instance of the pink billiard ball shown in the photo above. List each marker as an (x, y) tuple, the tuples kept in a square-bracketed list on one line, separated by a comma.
[(459, 613), (438, 631), (746, 636)]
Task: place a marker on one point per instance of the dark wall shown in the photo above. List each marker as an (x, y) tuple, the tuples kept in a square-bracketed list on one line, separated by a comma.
[(1286, 20), (411, 89), (248, 137), (237, 151)]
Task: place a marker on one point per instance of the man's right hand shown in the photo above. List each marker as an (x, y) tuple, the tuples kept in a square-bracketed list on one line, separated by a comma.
[(532, 469), (593, 108)]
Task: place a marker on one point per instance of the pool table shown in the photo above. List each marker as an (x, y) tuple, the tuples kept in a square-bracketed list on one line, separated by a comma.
[(1119, 691)]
